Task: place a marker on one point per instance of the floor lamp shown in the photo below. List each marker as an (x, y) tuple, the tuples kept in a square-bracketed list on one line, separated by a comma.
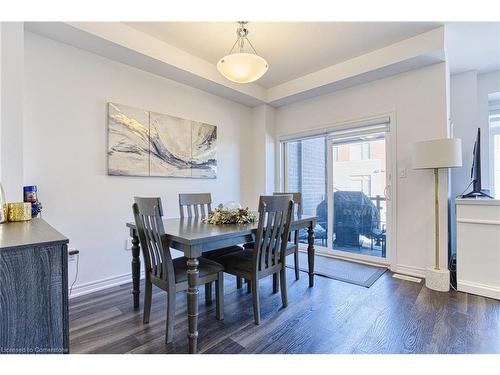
[(436, 154)]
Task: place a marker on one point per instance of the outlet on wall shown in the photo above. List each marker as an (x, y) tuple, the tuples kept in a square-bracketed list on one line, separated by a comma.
[(128, 244), (72, 254)]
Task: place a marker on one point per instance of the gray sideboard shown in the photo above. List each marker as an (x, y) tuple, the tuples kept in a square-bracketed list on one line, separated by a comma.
[(33, 288)]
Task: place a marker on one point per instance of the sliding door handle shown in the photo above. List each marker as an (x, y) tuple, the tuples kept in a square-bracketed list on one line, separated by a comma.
[(387, 192)]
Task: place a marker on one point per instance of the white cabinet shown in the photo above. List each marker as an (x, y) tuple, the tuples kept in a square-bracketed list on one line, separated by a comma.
[(478, 246)]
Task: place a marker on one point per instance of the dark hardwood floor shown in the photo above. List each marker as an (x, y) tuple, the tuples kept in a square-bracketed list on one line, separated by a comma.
[(393, 316)]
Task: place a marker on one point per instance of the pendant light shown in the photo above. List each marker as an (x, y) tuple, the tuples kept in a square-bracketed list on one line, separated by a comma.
[(241, 66)]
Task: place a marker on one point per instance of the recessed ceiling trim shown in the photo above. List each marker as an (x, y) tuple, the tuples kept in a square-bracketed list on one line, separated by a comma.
[(124, 44), (429, 44), (127, 45)]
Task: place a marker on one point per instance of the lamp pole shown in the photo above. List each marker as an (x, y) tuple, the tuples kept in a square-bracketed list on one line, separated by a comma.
[(436, 216)]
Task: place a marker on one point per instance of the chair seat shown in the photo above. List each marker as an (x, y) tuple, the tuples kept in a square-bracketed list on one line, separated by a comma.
[(241, 260), (206, 267), (216, 254), (290, 247)]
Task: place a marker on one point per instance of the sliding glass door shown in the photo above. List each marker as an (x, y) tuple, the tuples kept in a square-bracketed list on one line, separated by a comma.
[(358, 174), (344, 177), (305, 171)]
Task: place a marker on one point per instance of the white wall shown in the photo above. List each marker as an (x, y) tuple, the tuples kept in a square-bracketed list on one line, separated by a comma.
[(465, 119), (418, 101), (65, 148), (258, 158), (487, 83), (11, 109)]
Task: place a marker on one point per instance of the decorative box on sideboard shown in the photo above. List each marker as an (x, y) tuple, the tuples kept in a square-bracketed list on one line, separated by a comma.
[(33, 288)]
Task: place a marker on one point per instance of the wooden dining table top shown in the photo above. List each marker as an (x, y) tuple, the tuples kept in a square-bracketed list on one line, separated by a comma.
[(193, 231)]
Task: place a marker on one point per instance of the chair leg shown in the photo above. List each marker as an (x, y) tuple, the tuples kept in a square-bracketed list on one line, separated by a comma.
[(170, 316), (208, 293), (219, 296), (256, 303), (296, 261), (148, 292), (284, 297), (275, 283), (239, 283)]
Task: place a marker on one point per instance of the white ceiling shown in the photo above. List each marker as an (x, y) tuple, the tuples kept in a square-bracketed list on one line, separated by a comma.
[(306, 59), (292, 49), (473, 46)]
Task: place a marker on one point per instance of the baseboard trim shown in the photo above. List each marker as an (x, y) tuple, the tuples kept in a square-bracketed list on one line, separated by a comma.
[(479, 289), (409, 270), (94, 286)]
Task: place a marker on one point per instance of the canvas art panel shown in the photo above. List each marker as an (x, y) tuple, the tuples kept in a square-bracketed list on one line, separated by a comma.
[(128, 141), (170, 146), (203, 157), (145, 143)]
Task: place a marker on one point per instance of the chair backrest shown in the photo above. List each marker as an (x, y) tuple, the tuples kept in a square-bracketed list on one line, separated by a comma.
[(297, 201), (155, 247), (195, 204), (275, 215)]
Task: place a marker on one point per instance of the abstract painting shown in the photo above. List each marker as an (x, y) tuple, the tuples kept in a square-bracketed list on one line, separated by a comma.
[(145, 143)]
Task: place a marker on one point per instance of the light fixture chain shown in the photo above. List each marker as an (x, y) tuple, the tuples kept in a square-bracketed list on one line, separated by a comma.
[(231, 50), (241, 40)]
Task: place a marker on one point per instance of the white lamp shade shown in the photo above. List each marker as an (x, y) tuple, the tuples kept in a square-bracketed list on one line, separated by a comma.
[(437, 153), (242, 67)]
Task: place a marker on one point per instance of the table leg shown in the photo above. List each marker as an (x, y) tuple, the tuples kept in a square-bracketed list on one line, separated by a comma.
[(310, 253), (136, 269), (192, 303)]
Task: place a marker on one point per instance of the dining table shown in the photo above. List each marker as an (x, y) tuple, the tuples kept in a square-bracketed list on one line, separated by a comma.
[(193, 237)]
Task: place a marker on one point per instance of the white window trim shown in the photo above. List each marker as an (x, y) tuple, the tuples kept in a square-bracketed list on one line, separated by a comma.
[(356, 127), (492, 131)]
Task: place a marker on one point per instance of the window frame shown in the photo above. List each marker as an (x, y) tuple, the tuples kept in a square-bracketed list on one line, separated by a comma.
[(493, 131)]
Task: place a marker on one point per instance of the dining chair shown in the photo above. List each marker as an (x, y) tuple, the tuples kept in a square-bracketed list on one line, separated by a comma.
[(166, 273), (267, 257), (199, 205), (292, 246), (293, 242)]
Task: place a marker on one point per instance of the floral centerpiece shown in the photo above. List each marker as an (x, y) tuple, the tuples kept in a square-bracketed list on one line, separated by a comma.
[(230, 215)]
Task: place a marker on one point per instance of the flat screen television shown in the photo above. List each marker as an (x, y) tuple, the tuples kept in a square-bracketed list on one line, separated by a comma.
[(475, 173)]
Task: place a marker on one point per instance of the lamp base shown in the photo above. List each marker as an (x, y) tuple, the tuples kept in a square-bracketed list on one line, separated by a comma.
[(437, 279)]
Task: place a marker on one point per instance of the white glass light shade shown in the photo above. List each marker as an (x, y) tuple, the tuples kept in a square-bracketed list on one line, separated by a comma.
[(437, 153), (242, 67)]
